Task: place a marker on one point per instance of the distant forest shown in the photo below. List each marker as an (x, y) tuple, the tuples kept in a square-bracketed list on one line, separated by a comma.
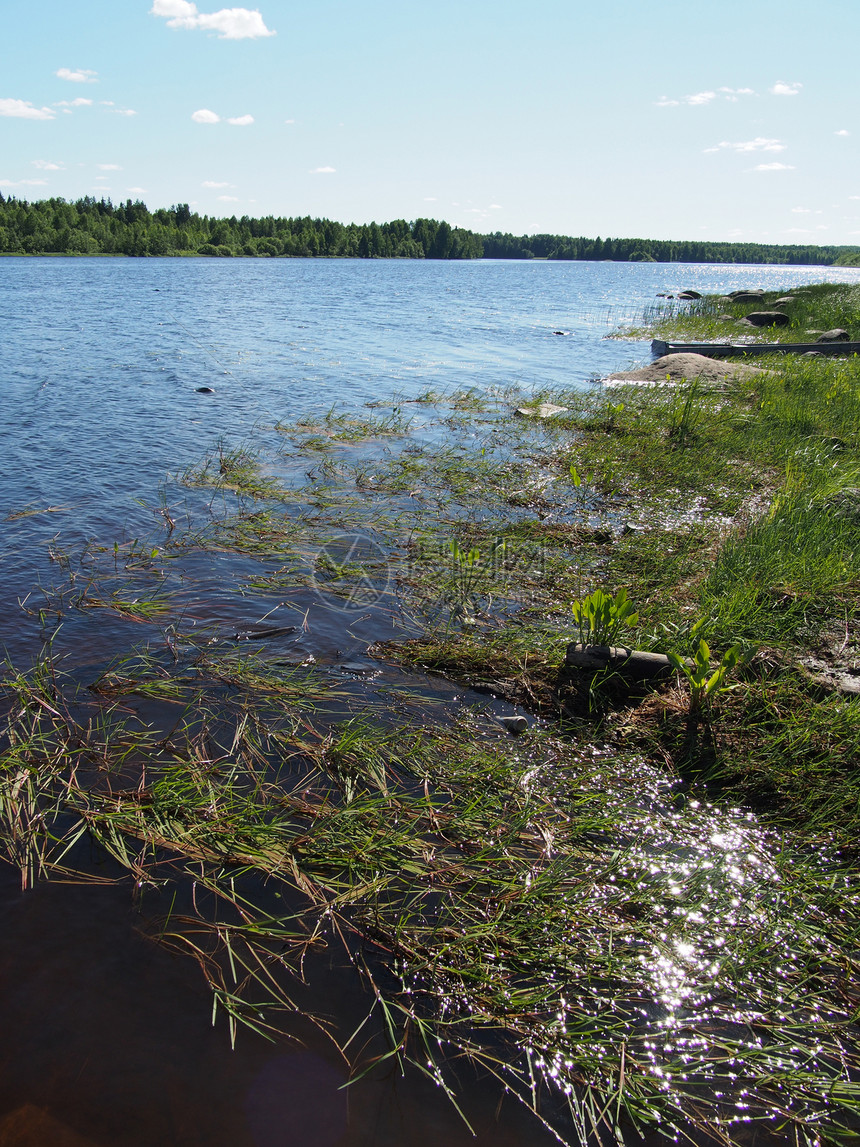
[(98, 227)]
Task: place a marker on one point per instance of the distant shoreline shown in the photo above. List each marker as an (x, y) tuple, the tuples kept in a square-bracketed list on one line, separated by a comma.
[(90, 227)]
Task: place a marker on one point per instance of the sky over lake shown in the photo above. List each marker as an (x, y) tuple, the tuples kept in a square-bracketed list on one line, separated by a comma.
[(676, 120)]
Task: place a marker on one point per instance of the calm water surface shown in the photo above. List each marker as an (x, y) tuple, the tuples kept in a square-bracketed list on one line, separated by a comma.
[(104, 1033)]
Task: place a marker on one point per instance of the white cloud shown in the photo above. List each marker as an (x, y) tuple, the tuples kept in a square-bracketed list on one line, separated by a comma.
[(124, 111), (733, 94), (228, 199), (700, 98), (289, 121), (80, 102), (757, 144), (136, 190), (229, 23), (213, 184), (842, 132), (23, 109), (322, 171), (774, 167), (81, 76), (241, 120), (802, 210), (496, 207), (432, 199), (23, 183), (205, 116), (108, 167), (45, 165), (781, 88)]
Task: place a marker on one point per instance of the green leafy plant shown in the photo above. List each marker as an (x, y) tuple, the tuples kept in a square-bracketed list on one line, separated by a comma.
[(601, 617), (470, 578), (704, 682)]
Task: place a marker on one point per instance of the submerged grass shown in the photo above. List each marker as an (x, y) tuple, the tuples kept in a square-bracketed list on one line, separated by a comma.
[(498, 902)]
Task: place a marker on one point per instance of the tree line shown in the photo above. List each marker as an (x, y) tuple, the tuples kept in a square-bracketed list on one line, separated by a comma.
[(92, 226)]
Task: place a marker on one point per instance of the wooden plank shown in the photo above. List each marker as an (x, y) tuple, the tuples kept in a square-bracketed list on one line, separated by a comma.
[(732, 350)]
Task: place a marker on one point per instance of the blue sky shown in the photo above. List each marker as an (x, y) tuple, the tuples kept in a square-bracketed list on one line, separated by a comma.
[(671, 120)]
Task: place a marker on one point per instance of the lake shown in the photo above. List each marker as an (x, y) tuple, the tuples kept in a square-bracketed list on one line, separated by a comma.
[(107, 1036)]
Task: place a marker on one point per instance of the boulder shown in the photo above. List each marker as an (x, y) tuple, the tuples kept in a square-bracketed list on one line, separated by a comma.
[(766, 319), (205, 390), (689, 295), (685, 365), (837, 335), (784, 301), (752, 296)]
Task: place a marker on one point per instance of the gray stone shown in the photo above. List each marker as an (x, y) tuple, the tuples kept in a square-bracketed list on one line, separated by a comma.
[(766, 319), (784, 301), (837, 335), (205, 390), (746, 296), (689, 295)]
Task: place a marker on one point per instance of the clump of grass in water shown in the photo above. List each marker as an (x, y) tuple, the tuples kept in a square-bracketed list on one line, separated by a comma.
[(238, 470), (346, 426)]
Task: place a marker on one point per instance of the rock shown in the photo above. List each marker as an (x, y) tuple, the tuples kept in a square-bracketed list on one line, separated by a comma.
[(631, 664), (205, 390), (846, 504), (812, 354), (561, 332), (684, 366), (689, 295), (725, 318), (514, 725), (832, 678), (543, 410), (766, 319), (752, 296), (837, 335), (784, 301)]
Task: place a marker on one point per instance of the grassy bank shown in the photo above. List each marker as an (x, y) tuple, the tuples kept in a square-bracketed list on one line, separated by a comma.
[(639, 915), (810, 311)]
